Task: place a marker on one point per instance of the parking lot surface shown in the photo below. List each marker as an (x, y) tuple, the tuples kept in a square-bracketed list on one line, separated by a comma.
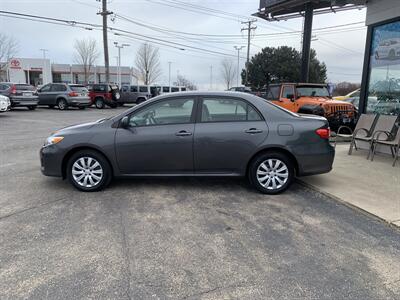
[(176, 238)]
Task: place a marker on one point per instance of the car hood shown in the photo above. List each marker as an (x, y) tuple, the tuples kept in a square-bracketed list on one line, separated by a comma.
[(326, 100), (76, 127)]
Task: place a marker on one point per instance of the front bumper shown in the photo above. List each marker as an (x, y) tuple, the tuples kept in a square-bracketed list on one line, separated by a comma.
[(51, 161)]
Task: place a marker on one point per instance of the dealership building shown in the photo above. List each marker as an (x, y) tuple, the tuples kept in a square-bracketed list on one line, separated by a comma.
[(37, 71), (380, 82)]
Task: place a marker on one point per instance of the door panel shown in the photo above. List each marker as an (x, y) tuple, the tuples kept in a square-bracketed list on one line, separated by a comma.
[(228, 131), (157, 149), (159, 139), (225, 147)]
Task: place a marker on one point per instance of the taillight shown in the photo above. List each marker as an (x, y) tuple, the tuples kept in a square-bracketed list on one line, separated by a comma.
[(73, 94), (13, 89), (324, 133)]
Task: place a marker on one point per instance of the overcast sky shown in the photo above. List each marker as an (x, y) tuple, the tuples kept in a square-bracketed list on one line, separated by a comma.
[(341, 51)]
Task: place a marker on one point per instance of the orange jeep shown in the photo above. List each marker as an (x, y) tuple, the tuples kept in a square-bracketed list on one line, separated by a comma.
[(310, 98)]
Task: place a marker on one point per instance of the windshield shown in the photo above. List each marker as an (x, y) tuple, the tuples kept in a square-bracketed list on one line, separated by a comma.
[(312, 91), (24, 87)]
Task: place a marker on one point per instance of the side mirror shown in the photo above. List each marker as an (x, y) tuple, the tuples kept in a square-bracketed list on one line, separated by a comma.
[(124, 122), (291, 97)]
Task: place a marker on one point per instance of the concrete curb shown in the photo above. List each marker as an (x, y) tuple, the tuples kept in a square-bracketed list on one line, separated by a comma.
[(341, 201)]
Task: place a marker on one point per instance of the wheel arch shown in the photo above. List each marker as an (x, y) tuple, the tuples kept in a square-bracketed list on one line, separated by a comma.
[(72, 151), (274, 149)]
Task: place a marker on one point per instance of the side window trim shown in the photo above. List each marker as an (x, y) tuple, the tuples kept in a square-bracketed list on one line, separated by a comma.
[(192, 116), (200, 108)]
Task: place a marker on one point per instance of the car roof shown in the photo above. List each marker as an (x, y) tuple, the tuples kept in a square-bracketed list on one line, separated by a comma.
[(299, 84)]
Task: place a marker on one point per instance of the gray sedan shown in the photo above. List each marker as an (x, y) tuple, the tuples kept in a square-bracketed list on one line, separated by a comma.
[(207, 134)]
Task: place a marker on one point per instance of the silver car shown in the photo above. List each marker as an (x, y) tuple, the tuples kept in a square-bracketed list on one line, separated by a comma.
[(207, 134), (64, 95)]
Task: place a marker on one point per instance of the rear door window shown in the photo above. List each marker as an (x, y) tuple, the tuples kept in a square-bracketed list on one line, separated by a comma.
[(134, 89), (143, 89), (228, 110)]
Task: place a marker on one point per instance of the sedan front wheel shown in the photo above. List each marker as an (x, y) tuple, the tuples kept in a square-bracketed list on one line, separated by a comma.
[(271, 173), (88, 171)]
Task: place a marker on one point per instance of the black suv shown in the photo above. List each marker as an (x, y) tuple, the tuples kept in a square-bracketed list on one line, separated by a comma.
[(20, 94)]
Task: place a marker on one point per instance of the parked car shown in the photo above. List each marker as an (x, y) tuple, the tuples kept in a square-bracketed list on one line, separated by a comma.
[(102, 94), (5, 104), (244, 136), (64, 95), (133, 94), (307, 98), (352, 94), (243, 89), (20, 94), (388, 49)]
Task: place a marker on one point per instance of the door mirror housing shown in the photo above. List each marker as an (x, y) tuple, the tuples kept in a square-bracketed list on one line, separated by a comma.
[(291, 97), (124, 122)]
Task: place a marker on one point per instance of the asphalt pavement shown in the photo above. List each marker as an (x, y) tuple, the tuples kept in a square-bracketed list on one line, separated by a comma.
[(176, 238)]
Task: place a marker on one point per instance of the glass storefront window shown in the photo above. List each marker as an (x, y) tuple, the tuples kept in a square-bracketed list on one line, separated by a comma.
[(384, 76)]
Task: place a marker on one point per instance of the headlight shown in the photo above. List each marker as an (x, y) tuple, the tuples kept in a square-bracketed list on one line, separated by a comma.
[(52, 140)]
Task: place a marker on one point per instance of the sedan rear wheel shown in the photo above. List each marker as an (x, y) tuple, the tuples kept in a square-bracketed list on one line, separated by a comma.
[(271, 173), (89, 171)]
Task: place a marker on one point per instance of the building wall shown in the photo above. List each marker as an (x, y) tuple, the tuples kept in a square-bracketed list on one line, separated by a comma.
[(17, 68), (381, 10)]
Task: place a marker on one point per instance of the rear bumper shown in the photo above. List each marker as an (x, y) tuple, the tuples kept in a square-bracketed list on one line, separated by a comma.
[(24, 101), (79, 102), (50, 161), (316, 163)]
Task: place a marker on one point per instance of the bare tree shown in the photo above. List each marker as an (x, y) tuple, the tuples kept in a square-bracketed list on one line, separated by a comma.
[(182, 81), (147, 64), (8, 49), (228, 72), (86, 55)]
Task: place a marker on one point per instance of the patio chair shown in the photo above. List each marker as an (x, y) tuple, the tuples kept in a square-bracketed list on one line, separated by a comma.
[(393, 142), (383, 125), (365, 125)]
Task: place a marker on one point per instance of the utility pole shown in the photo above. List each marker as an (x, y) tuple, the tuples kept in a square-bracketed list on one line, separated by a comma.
[(306, 44), (169, 74), (211, 78), (104, 13), (249, 28), (237, 75), (119, 60), (44, 52)]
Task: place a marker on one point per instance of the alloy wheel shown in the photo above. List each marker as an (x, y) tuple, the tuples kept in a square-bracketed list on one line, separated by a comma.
[(87, 172), (272, 174)]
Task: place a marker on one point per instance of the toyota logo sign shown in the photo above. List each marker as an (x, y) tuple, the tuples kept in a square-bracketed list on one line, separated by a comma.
[(15, 64)]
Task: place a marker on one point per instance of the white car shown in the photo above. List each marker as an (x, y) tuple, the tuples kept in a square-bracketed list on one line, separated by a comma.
[(388, 49), (5, 104)]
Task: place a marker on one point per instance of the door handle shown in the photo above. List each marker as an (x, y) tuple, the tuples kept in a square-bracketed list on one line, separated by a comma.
[(253, 131), (183, 133)]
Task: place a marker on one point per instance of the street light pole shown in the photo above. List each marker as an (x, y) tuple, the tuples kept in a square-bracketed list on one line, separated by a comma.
[(44, 52), (169, 74), (119, 61), (238, 51)]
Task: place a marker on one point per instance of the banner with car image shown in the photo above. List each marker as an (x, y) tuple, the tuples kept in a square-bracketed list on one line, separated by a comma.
[(385, 47)]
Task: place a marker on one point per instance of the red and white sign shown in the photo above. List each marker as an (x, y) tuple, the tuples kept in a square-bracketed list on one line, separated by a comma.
[(15, 64)]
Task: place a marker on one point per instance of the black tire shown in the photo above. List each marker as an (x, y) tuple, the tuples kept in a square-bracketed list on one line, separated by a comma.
[(140, 100), (99, 103), (105, 166), (62, 104), (32, 107), (264, 158), (120, 104)]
